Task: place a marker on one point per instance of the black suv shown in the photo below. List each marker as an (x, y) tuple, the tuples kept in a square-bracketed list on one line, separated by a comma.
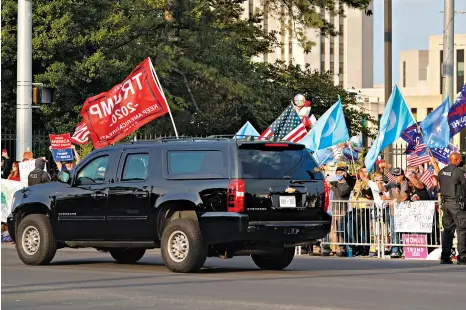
[(193, 198)]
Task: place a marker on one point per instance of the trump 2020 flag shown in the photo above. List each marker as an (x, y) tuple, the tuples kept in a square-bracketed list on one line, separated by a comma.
[(435, 127), (395, 119), (330, 129), (246, 131)]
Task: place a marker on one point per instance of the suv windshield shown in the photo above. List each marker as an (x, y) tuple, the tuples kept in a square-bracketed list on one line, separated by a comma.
[(283, 164)]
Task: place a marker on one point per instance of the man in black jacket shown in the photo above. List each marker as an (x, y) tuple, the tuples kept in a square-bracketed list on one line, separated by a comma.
[(453, 192), (38, 175), (341, 191)]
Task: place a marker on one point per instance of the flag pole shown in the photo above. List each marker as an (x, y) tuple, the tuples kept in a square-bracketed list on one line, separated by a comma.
[(163, 95), (432, 159)]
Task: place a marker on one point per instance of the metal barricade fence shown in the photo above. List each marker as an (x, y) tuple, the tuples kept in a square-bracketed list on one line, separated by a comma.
[(368, 228)]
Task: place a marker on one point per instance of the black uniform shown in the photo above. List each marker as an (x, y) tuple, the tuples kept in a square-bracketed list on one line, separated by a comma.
[(38, 175), (453, 190)]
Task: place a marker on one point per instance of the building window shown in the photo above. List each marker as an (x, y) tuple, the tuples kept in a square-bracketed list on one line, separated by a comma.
[(414, 112), (322, 65), (429, 110), (404, 73), (459, 70), (441, 72)]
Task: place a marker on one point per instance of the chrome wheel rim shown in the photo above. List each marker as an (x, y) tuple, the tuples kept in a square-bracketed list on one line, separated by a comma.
[(30, 240), (178, 246)]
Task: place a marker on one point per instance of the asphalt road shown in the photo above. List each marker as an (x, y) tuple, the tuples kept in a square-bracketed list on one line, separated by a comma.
[(87, 279)]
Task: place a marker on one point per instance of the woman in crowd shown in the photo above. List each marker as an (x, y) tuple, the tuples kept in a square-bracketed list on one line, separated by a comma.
[(14, 174), (418, 191)]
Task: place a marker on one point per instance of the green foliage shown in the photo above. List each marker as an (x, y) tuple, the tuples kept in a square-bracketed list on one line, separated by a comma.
[(201, 50)]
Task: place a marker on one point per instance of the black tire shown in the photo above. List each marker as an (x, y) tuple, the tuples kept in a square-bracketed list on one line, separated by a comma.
[(47, 245), (127, 256), (274, 261), (196, 250)]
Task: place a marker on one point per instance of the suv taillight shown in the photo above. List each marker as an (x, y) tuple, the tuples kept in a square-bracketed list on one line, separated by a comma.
[(326, 197), (235, 196)]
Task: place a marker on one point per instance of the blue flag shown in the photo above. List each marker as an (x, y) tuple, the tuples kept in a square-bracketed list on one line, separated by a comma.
[(435, 128), (395, 119), (330, 129), (246, 131), (457, 114)]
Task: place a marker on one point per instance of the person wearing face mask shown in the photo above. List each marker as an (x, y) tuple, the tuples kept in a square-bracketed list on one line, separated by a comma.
[(452, 183), (341, 190)]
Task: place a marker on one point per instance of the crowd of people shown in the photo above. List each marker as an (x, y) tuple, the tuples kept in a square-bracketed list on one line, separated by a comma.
[(353, 216), (10, 170)]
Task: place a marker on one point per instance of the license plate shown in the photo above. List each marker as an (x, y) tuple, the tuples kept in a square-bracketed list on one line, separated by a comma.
[(287, 202)]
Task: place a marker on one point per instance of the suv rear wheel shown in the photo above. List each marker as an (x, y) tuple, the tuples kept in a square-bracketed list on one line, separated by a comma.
[(182, 246), (274, 261), (36, 244), (127, 256)]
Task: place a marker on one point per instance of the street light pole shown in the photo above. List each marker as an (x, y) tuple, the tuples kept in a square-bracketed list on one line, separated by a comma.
[(24, 79), (388, 63), (449, 48)]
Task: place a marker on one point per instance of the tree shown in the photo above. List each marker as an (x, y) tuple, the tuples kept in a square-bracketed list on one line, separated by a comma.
[(201, 50)]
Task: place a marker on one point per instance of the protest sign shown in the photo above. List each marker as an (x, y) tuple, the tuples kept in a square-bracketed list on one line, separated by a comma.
[(63, 155), (60, 142), (61, 147), (25, 168), (8, 189), (414, 252), (414, 217), (112, 115)]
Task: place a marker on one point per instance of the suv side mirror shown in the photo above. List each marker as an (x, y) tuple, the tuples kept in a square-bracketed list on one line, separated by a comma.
[(63, 177)]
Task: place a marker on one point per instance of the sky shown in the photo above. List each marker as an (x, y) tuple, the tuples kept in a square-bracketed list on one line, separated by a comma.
[(412, 24)]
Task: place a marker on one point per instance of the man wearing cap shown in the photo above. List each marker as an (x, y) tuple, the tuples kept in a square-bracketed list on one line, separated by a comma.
[(341, 191), (38, 175), (398, 193), (452, 181)]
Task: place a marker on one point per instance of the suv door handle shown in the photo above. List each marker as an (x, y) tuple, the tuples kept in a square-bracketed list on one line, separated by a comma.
[(140, 193), (98, 195)]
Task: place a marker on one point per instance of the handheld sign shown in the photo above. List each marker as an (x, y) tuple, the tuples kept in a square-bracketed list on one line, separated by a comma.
[(61, 147)]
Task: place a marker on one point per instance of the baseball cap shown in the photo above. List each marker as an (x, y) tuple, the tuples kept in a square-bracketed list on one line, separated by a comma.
[(398, 171)]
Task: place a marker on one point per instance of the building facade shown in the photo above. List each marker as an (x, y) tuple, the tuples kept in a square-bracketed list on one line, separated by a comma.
[(348, 56)]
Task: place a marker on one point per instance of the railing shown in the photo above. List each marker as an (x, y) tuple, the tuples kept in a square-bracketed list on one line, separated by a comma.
[(368, 227)]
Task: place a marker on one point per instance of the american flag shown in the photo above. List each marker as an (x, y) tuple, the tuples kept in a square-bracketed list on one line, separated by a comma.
[(390, 177), (419, 157), (426, 177), (288, 126), (81, 134)]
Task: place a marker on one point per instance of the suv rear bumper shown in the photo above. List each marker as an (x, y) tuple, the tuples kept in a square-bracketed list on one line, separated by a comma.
[(224, 227)]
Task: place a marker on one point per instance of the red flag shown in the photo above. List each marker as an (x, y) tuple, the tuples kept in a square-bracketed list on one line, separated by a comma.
[(113, 115), (81, 134)]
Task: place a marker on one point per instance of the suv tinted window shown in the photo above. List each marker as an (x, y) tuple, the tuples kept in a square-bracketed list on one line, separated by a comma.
[(94, 171), (196, 162), (135, 167), (293, 164)]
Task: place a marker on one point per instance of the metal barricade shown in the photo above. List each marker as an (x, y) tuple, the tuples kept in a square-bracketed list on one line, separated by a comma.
[(367, 228)]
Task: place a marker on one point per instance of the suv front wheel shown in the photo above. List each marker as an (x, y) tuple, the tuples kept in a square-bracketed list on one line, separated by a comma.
[(182, 247), (275, 261), (36, 244)]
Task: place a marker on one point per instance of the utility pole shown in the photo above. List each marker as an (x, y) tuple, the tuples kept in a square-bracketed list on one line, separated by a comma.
[(24, 79), (449, 49), (388, 64)]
